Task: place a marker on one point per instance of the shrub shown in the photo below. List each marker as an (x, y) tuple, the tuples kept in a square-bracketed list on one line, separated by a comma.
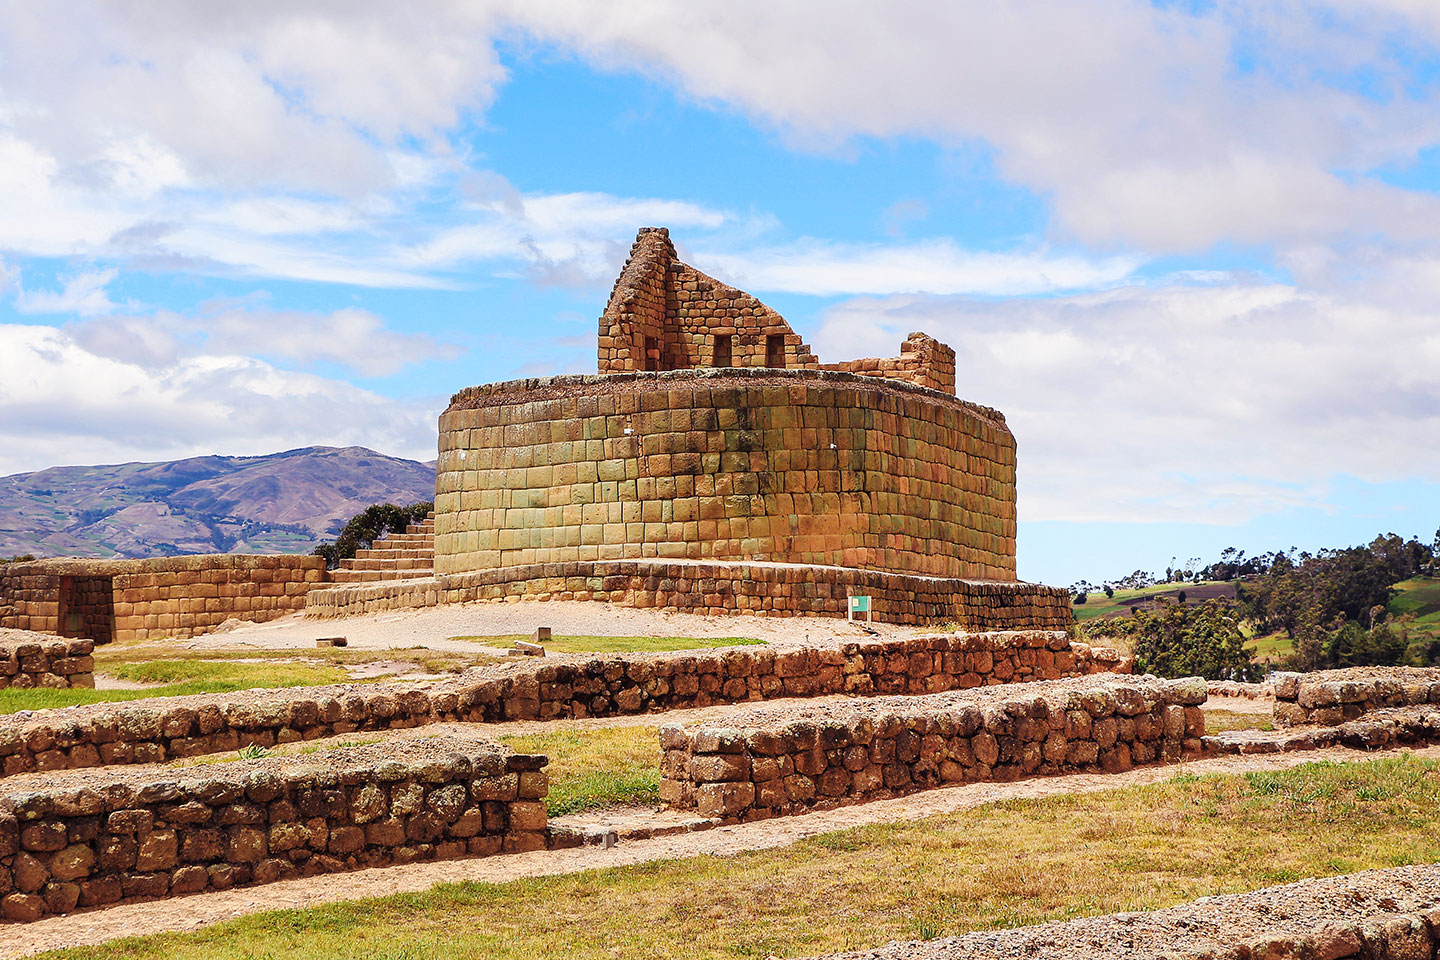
[(1183, 640)]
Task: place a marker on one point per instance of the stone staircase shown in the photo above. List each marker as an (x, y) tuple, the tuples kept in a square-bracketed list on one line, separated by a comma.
[(399, 556)]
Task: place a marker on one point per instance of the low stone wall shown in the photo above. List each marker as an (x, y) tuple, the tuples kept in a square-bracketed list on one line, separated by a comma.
[(53, 663), (1376, 915), (1380, 729), (718, 588), (769, 762), (577, 686), (1330, 697), (161, 597), (1244, 691), (92, 841)]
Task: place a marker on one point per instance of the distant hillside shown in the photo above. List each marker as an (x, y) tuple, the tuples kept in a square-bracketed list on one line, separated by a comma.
[(280, 503)]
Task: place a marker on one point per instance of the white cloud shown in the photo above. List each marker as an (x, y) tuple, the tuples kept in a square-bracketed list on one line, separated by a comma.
[(354, 338), (61, 403), (1202, 404), (83, 294), (937, 266), (1143, 133)]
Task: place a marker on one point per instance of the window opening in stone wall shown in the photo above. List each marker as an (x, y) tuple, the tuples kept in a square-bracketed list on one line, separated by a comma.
[(775, 350), (722, 350)]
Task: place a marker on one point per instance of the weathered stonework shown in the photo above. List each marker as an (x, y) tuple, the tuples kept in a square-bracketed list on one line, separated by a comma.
[(167, 728), (768, 762), (141, 835), (1331, 697), (57, 664), (716, 588), (105, 600)]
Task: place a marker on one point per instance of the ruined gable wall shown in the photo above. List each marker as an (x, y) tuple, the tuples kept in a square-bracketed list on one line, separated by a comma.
[(637, 306), (703, 309)]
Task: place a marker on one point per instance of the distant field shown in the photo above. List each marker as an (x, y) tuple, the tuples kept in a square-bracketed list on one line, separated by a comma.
[(1420, 596), (1098, 605)]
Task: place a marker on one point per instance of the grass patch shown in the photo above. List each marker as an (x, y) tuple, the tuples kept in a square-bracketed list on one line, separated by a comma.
[(1271, 647), (1001, 865), (1419, 596), (591, 769), (179, 678), (109, 657), (619, 644), (1219, 721)]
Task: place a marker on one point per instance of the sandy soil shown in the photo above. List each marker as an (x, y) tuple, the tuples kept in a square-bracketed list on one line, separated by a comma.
[(434, 626), (189, 913)]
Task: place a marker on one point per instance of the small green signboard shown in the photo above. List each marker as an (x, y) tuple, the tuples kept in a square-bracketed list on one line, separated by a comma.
[(859, 605)]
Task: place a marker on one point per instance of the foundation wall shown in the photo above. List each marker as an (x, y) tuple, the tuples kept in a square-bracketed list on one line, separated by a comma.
[(57, 664), (802, 467), (771, 763), (923, 361), (162, 597), (167, 728), (131, 838), (1331, 697), (720, 589)]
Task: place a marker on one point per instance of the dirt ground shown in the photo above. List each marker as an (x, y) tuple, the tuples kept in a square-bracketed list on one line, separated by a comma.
[(189, 913), (434, 626)]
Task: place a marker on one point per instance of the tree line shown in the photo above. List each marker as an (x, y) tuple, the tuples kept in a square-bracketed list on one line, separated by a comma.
[(1332, 605)]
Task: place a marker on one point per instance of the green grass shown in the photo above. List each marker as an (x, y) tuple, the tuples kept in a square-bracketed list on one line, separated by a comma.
[(1272, 646), (1000, 865), (618, 644), (110, 656), (179, 678), (1419, 596), (592, 769)]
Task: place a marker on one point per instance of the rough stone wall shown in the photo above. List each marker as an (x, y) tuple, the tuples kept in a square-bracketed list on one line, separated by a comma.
[(173, 727), (923, 361), (771, 762), (718, 589), (1376, 915), (1332, 697), (135, 836), (56, 664), (162, 597), (793, 466), (666, 315)]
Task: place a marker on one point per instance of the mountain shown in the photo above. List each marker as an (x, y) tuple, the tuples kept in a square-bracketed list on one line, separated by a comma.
[(280, 503)]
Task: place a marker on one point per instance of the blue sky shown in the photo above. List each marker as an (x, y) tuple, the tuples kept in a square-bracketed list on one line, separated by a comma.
[(1191, 249)]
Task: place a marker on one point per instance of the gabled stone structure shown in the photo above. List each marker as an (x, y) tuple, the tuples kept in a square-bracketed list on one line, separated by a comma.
[(666, 315)]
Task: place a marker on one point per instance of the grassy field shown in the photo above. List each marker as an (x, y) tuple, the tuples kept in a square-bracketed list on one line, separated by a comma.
[(1001, 865), (1219, 721), (1419, 596), (618, 644), (596, 768), (112, 656), (178, 678), (1098, 605)]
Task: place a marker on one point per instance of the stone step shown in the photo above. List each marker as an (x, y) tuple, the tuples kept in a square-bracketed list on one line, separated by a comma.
[(368, 576), (376, 553), (387, 563)]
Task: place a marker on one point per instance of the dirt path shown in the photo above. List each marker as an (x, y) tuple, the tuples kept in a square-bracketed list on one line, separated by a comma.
[(189, 913)]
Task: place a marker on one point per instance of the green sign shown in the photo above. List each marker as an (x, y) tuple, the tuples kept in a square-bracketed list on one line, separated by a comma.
[(859, 604)]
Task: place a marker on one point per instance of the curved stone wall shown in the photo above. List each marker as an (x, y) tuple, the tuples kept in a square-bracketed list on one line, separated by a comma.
[(790, 466)]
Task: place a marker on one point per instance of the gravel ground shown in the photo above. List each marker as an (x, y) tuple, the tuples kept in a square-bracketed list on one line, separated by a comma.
[(193, 912), (1294, 912)]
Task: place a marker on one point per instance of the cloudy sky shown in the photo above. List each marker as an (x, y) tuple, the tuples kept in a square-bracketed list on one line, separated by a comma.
[(1192, 249)]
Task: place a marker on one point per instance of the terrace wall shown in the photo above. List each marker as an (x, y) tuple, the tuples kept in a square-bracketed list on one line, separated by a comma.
[(160, 597), (1330, 697), (769, 762), (163, 729), (722, 588), (56, 664), (133, 837)]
